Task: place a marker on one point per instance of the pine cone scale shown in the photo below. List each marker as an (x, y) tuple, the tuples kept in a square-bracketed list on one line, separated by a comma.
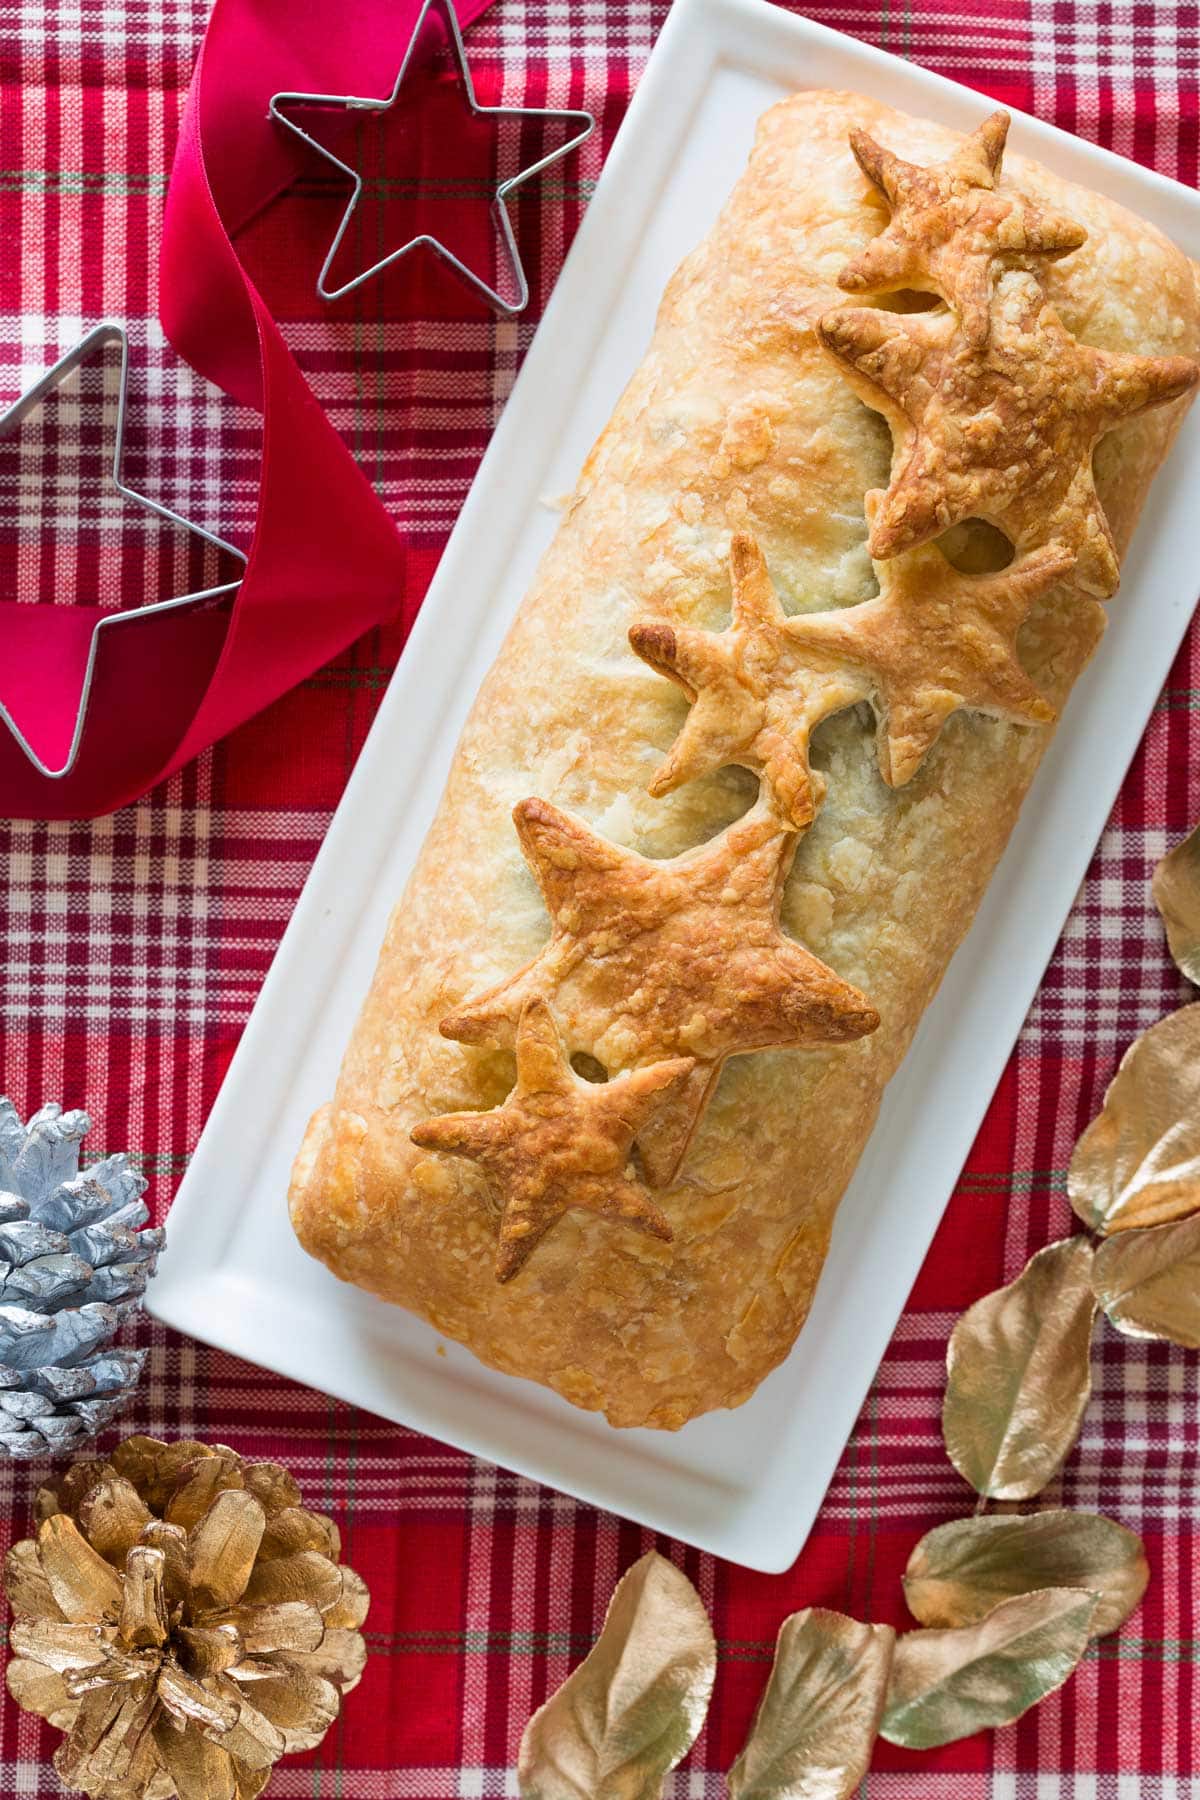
[(200, 1769), (224, 1548), (285, 1625), (113, 1516), (306, 1576), (294, 1529), (199, 1484), (110, 1741), (39, 1690), (243, 1732), (61, 1646), (302, 1707), (84, 1585), (209, 1649), (144, 1621), (172, 1541), (341, 1656), (26, 1586)]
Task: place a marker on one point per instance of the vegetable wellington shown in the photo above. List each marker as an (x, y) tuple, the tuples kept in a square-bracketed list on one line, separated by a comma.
[(731, 793)]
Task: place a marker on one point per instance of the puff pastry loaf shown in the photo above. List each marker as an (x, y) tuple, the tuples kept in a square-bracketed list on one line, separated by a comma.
[(863, 773)]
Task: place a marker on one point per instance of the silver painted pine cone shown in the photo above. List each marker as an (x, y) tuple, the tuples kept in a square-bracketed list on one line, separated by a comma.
[(74, 1263)]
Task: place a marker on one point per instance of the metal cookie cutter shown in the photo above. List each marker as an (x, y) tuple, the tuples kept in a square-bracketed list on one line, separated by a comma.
[(99, 338), (352, 103)]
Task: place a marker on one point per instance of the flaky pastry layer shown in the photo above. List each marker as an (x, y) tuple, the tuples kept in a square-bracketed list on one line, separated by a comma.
[(736, 422)]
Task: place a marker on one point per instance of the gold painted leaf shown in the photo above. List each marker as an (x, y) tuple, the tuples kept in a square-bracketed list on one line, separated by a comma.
[(634, 1707), (1176, 889), (960, 1571), (223, 1546), (1148, 1282), (84, 1586), (950, 1684), (1138, 1162), (819, 1716), (1019, 1375)]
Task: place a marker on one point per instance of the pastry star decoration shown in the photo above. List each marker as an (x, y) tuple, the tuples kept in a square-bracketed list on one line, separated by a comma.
[(932, 642), (950, 229), (558, 1141), (1005, 433), (677, 958)]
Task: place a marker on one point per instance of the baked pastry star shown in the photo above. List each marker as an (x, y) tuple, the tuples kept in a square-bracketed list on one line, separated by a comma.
[(932, 642), (558, 1141), (756, 696), (658, 959), (1006, 432), (950, 230)]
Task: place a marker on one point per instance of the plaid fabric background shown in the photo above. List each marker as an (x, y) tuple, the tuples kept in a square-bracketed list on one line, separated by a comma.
[(131, 950)]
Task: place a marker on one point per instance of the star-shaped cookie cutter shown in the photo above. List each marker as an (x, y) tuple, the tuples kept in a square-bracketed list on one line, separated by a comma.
[(353, 103), (98, 339)]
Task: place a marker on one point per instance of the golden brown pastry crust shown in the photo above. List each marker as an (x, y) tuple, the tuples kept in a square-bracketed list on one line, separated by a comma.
[(1005, 433), (950, 230), (681, 957), (737, 421), (559, 1141), (931, 642)]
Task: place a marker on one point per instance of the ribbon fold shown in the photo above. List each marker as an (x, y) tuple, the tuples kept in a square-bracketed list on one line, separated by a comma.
[(325, 562)]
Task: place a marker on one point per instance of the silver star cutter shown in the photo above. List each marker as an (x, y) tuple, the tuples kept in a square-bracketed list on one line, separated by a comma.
[(583, 121), (98, 339)]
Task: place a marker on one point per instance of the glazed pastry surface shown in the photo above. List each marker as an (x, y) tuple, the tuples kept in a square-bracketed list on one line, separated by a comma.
[(743, 426)]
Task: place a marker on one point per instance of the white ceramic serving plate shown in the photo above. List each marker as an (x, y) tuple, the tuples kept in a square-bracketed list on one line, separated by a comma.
[(747, 1484)]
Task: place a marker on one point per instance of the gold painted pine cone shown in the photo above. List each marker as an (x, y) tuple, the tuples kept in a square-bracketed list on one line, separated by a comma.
[(184, 1619)]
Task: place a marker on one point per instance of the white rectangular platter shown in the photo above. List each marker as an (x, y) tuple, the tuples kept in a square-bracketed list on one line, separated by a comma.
[(746, 1485)]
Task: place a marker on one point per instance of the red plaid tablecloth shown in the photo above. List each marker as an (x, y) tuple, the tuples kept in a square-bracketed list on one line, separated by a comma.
[(132, 949)]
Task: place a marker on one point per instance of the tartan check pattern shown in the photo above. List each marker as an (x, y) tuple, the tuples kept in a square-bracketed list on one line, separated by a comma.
[(134, 946)]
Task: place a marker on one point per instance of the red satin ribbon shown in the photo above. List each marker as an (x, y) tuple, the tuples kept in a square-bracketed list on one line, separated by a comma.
[(325, 563)]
